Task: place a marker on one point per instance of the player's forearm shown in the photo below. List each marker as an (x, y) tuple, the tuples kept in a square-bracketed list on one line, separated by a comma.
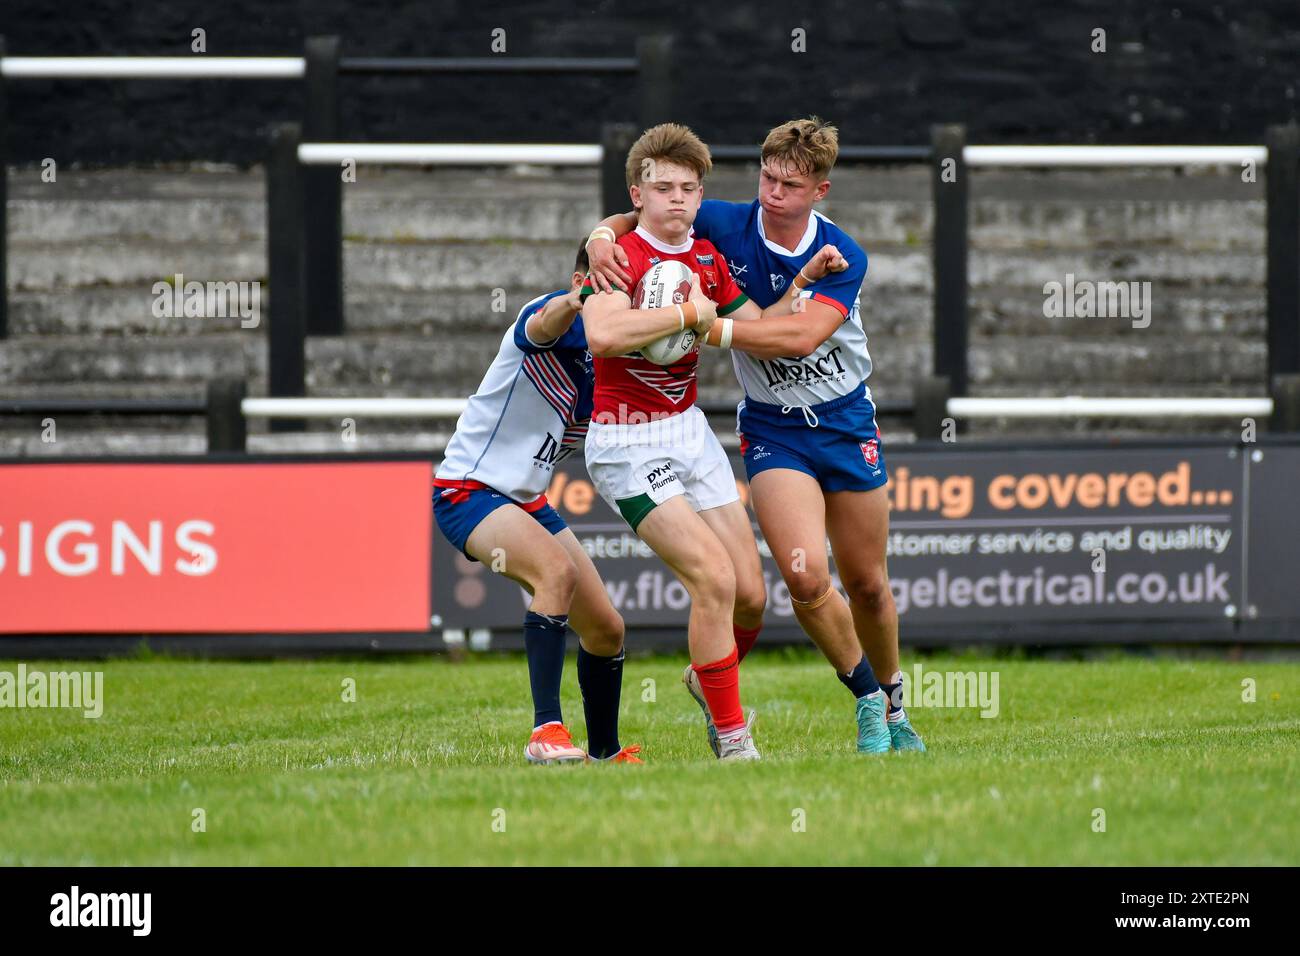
[(555, 319), (628, 329), (621, 223), (785, 306), (774, 332), (769, 338)]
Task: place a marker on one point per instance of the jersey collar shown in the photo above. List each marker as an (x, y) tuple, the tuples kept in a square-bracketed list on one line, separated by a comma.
[(808, 235), (662, 246)]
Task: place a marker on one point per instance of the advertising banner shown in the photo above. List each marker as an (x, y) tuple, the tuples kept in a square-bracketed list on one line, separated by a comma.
[(975, 536), (1273, 534), (254, 547)]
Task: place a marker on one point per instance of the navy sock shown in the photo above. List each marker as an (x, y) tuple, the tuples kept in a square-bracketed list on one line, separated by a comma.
[(895, 694), (544, 644), (861, 681), (601, 682)]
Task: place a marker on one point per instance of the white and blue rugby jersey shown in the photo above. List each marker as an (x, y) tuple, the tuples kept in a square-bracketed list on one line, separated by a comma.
[(530, 411), (762, 269)]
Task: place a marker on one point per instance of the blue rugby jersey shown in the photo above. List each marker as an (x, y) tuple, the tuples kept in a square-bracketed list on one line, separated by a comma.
[(762, 269), (531, 411)]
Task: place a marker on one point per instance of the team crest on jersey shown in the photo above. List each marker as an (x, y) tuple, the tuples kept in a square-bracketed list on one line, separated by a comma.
[(672, 387), (870, 452), (778, 281), (738, 271), (705, 260)]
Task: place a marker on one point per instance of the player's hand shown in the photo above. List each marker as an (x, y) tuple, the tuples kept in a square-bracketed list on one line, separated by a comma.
[(573, 300), (608, 260), (706, 310), (827, 259)]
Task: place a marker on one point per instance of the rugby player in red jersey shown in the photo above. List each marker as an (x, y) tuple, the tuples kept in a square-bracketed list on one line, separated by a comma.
[(650, 451)]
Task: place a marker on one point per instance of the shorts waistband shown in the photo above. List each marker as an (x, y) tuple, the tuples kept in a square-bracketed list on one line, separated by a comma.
[(462, 484), (822, 408), (457, 490)]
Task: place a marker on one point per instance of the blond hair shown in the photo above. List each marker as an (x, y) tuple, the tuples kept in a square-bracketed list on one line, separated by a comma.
[(809, 146), (667, 143)]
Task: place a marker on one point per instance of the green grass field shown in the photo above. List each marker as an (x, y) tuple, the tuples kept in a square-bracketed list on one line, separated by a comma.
[(419, 767)]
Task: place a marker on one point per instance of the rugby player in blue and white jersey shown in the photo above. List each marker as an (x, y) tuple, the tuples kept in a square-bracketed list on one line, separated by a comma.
[(531, 411), (807, 423)]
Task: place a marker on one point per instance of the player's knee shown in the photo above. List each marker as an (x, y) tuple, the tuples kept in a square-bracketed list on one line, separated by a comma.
[(808, 586), (712, 582), (720, 589), (869, 590), (751, 598), (606, 636), (558, 579)]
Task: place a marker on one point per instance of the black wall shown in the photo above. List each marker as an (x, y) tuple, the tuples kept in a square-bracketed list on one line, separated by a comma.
[(1013, 70)]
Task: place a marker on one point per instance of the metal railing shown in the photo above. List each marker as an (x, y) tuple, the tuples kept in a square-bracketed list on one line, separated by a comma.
[(227, 408), (1078, 406), (951, 159), (152, 67)]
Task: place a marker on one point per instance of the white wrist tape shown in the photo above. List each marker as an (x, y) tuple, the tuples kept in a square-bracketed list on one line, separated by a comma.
[(681, 318), (724, 337), (601, 232)]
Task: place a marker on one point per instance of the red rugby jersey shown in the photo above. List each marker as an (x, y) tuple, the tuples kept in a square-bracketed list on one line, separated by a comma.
[(630, 384)]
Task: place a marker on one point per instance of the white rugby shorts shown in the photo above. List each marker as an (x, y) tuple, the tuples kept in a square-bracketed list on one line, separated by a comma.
[(636, 467)]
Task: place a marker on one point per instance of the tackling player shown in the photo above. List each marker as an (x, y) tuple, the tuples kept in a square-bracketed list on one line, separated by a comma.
[(807, 424), (651, 453), (530, 412)]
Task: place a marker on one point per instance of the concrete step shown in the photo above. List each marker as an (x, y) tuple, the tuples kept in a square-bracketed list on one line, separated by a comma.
[(457, 266), (437, 265), (127, 311), (103, 441), (133, 212), (731, 181), (110, 262), (1208, 226), (453, 365), (1193, 227), (93, 389), (454, 265), (1085, 366), (180, 360), (444, 218), (114, 312), (1211, 225), (34, 222), (1231, 314)]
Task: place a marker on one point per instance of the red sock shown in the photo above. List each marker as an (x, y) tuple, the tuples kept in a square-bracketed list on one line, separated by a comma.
[(745, 638), (720, 682)]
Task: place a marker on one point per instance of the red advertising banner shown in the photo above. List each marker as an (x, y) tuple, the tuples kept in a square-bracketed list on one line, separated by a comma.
[(340, 546)]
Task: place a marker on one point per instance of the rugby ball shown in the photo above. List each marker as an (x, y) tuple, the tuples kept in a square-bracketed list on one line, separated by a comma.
[(666, 283)]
